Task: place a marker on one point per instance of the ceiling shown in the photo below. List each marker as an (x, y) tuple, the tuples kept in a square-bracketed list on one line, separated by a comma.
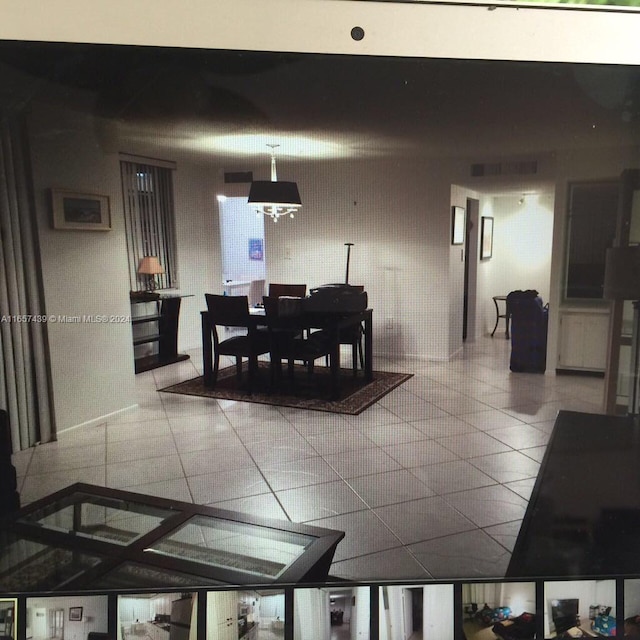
[(231, 104)]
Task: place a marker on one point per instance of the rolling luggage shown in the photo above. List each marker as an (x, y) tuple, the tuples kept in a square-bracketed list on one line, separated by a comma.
[(529, 321)]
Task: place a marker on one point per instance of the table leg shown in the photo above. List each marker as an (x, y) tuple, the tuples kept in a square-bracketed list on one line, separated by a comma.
[(207, 350), (368, 348), (335, 366)]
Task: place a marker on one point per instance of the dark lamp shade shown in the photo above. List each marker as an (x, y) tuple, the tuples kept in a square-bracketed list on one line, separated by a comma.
[(622, 273), (268, 192)]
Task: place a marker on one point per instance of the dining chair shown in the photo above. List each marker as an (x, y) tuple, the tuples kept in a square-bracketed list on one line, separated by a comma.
[(286, 341), (293, 290), (256, 291), (353, 336), (233, 311)]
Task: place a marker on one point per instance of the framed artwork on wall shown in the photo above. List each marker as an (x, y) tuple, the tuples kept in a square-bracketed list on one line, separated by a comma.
[(486, 238), (80, 211), (256, 249), (457, 225), (75, 614)]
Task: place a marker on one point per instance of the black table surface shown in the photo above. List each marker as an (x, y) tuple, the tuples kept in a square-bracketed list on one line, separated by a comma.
[(583, 519)]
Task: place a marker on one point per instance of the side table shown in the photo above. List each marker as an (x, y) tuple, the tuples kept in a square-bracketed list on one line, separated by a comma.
[(505, 315)]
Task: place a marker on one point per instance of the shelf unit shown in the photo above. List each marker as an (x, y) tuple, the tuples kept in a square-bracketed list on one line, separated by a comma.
[(162, 329)]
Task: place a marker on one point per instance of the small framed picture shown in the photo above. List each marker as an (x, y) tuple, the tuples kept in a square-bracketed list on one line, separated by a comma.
[(486, 238), (75, 614), (256, 249), (457, 225), (80, 211)]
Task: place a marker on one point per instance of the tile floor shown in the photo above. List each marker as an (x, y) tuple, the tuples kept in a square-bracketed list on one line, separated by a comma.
[(433, 481)]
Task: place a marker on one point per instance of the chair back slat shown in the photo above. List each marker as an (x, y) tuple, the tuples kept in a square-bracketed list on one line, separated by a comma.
[(294, 290)]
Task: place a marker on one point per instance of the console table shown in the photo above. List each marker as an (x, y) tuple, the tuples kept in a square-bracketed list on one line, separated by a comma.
[(164, 330), (583, 519), (95, 537)]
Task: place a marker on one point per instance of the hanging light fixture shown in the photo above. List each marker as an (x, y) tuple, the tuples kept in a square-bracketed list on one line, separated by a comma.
[(274, 198)]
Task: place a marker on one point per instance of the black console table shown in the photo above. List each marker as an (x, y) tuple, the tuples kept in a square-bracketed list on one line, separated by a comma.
[(164, 319), (583, 519)]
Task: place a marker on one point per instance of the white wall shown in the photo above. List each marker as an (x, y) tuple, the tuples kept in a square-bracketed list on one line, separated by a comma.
[(271, 607), (361, 614), (94, 615), (520, 597), (397, 215), (311, 620), (437, 612), (521, 258), (84, 273), (631, 598)]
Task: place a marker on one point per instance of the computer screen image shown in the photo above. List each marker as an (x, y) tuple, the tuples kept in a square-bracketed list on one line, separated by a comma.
[(431, 481)]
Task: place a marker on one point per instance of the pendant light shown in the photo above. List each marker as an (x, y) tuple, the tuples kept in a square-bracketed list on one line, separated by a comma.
[(274, 198)]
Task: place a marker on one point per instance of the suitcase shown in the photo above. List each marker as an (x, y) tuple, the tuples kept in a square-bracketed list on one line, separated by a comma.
[(529, 322)]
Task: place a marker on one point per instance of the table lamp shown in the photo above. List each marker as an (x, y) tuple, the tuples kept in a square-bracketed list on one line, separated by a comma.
[(150, 266), (622, 282)]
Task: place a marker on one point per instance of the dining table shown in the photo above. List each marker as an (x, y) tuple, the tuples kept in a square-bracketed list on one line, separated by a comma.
[(334, 323)]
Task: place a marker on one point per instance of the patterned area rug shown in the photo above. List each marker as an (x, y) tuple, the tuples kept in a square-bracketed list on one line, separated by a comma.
[(303, 392)]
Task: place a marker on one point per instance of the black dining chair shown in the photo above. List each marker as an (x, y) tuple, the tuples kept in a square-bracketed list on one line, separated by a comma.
[(233, 311), (353, 336), (290, 290), (286, 341)]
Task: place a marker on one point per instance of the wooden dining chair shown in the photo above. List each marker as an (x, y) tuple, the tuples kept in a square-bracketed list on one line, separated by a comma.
[(256, 291), (288, 343), (353, 337), (294, 290), (233, 311)]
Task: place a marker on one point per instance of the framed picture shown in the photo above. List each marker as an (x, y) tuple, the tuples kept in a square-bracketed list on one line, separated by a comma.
[(486, 238), (256, 249), (457, 225), (75, 614), (80, 211)]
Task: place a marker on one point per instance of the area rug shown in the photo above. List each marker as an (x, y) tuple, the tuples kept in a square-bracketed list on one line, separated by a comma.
[(303, 392)]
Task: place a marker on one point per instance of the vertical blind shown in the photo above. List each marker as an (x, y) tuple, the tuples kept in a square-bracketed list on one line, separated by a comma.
[(25, 385), (147, 192)]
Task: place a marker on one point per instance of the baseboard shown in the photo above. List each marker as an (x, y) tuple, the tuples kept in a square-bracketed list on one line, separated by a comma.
[(104, 418)]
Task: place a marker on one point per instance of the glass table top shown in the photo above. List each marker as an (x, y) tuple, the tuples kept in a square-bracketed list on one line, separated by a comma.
[(27, 565), (111, 520), (238, 546)]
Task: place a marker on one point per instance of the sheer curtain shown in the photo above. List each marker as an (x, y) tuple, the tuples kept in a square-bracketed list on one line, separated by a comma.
[(24, 374)]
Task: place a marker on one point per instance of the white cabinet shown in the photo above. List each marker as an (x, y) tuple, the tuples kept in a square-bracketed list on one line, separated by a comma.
[(583, 339), (222, 615)]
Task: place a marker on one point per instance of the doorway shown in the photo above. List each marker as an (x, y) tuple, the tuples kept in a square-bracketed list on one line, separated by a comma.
[(470, 269), (241, 243), (56, 624)]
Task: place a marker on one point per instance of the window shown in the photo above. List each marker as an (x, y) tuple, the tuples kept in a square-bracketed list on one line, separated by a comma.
[(147, 191), (593, 208)]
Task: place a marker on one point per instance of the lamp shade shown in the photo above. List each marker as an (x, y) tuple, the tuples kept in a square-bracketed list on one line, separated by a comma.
[(150, 265), (622, 273), (267, 192)]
